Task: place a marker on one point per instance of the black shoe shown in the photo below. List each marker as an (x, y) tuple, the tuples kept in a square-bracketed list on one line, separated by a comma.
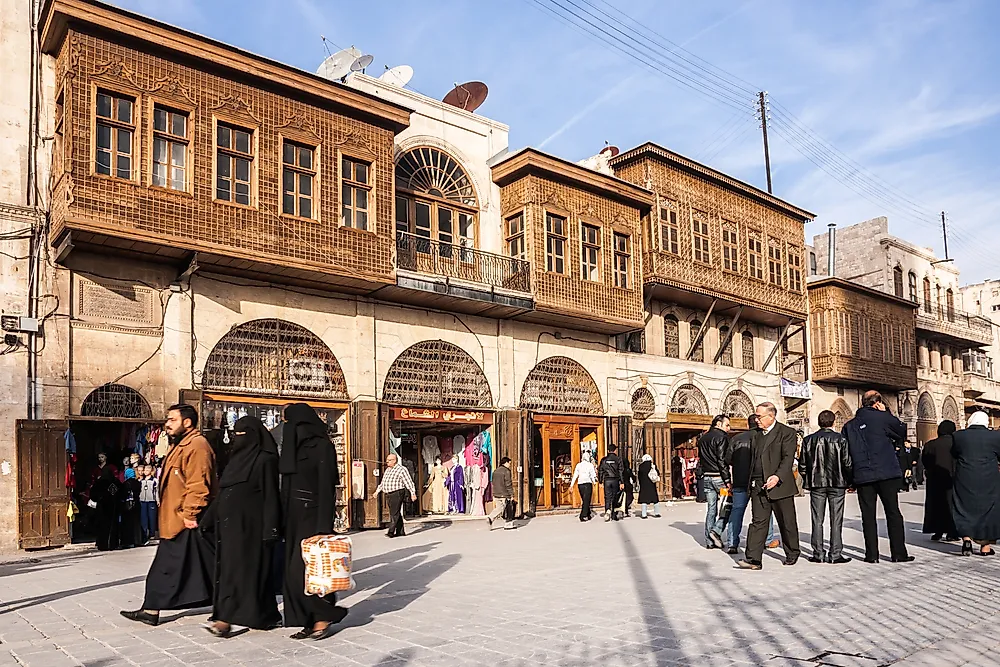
[(841, 561), (711, 546), (790, 561), (815, 559), (732, 551), (301, 634), (904, 559), (966, 547), (748, 565), (950, 538), (871, 560), (936, 537), (390, 534), (142, 616)]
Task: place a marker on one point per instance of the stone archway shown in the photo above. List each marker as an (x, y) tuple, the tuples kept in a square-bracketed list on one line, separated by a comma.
[(737, 404), (643, 404), (116, 401), (274, 357), (437, 374), (925, 408), (689, 400), (843, 413), (949, 410), (562, 386)]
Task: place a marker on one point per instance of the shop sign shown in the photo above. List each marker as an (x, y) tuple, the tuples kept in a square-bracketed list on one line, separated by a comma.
[(446, 416), (358, 480), (307, 374), (792, 389)]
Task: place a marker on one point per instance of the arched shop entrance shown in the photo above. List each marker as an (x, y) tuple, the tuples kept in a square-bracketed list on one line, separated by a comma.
[(564, 417), (437, 406), (926, 419), (261, 366)]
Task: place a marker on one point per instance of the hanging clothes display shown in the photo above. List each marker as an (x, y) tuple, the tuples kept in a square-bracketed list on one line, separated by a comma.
[(438, 494), (476, 486), (430, 451), (456, 488)]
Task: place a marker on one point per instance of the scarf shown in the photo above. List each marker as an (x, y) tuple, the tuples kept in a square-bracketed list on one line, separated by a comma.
[(129, 473), (303, 428), (250, 440)]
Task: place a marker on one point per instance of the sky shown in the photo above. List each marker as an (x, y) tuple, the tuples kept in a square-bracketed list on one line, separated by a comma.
[(905, 91)]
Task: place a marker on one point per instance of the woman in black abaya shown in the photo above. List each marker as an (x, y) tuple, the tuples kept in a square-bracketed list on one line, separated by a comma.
[(939, 469), (975, 500), (104, 493), (130, 527), (246, 520), (309, 475)]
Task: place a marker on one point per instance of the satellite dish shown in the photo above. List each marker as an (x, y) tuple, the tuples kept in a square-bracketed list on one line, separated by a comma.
[(397, 76), (338, 65), (467, 96), (361, 63), (610, 151)]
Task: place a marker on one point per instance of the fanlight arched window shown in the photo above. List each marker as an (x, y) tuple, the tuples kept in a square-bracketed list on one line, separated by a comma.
[(116, 400), (726, 359), (737, 404), (925, 408), (643, 404), (435, 200), (689, 400)]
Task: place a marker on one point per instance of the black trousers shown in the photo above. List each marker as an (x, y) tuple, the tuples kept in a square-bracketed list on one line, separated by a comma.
[(396, 500), (818, 499), (611, 491), (887, 491), (586, 495), (761, 509)]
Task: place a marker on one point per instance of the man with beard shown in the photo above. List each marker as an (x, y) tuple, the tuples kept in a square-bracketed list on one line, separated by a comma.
[(182, 572)]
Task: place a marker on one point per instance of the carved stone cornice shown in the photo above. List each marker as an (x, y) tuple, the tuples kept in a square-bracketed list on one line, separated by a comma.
[(171, 85), (235, 104), (301, 124), (117, 68)]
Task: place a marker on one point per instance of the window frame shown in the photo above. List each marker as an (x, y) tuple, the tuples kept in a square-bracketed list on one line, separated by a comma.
[(546, 214), (670, 317), (897, 281), (672, 223), (793, 258), (775, 265), (912, 284), (730, 246), (586, 245), (703, 237), (315, 172), (172, 106), (434, 205), (927, 307), (521, 235), (744, 350), (101, 86), (356, 157), (756, 255), (254, 130), (621, 275)]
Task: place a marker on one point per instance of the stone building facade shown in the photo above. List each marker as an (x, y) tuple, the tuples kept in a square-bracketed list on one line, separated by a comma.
[(982, 383), (241, 241), (868, 255)]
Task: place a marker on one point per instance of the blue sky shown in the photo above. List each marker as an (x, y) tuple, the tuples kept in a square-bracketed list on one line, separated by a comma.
[(906, 88)]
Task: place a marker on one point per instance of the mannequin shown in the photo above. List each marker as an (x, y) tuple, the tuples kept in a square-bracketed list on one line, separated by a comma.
[(456, 487), (436, 492), (476, 477)]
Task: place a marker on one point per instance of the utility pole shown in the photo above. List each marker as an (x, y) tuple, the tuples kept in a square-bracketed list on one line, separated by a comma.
[(763, 126), (944, 232)]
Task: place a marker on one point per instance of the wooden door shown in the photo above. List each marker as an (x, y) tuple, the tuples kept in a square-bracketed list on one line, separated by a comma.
[(364, 442), (41, 483), (656, 438)]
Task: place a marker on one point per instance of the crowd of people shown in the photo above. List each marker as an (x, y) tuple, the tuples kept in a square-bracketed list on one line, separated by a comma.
[(123, 502), (234, 542)]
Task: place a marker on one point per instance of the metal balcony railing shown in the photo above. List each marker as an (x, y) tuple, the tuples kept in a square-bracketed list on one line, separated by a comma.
[(425, 255), (956, 323)]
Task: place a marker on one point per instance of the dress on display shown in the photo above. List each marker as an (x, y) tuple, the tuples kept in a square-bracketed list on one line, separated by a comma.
[(476, 477), (436, 491), (430, 450), (456, 490)]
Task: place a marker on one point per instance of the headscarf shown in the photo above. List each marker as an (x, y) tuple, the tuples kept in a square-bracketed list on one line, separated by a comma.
[(303, 428), (646, 457), (129, 473), (947, 427), (586, 457), (979, 418), (250, 440)]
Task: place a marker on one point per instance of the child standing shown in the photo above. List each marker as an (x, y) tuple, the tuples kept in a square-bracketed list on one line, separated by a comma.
[(149, 499)]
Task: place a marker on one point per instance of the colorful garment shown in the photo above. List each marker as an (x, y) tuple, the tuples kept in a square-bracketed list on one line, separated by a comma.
[(456, 491), (476, 475)]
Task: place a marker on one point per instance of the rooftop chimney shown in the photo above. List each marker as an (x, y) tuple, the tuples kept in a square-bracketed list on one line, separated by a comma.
[(831, 250)]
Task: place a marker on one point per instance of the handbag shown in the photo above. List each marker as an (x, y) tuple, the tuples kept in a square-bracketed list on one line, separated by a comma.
[(328, 564), (725, 505), (510, 510), (654, 476)]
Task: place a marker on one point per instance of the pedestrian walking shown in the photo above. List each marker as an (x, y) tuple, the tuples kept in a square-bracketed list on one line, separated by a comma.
[(584, 476), (825, 470), (309, 477), (648, 495), (611, 474), (182, 572), (873, 436), (976, 497), (772, 488), (149, 498), (397, 486), (939, 472), (246, 521), (739, 458), (503, 494), (103, 500), (713, 447), (628, 492)]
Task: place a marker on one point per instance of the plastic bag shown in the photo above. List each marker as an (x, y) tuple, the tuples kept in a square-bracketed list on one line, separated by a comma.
[(328, 564)]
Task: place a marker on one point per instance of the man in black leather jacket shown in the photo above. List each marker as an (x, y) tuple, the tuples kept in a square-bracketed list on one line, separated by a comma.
[(713, 450), (825, 470), (611, 473)]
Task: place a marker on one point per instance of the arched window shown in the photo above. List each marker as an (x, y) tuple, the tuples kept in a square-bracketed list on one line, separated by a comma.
[(913, 287), (949, 410), (671, 337), (689, 400), (727, 352), (437, 374), (940, 301), (925, 408), (643, 404), (435, 199), (950, 300), (116, 401), (897, 281), (698, 354), (927, 296), (748, 351), (737, 404)]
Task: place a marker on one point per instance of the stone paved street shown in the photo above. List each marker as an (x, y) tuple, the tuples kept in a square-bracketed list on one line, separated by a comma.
[(552, 592)]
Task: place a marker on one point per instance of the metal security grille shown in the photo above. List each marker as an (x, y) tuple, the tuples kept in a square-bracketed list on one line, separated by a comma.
[(925, 408), (561, 385), (116, 401), (643, 404), (437, 374), (689, 400), (950, 410), (737, 404), (276, 358), (432, 172)]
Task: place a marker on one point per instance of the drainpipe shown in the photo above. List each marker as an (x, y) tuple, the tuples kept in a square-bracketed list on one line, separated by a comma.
[(831, 250)]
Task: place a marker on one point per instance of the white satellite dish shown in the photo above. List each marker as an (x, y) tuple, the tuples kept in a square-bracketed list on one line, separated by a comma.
[(361, 63), (397, 76), (338, 65)]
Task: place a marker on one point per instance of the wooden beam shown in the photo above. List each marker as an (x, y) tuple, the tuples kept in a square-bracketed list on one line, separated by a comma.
[(701, 331), (729, 335), (774, 350)]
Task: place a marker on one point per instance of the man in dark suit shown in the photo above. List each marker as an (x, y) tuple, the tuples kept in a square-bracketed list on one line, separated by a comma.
[(772, 487)]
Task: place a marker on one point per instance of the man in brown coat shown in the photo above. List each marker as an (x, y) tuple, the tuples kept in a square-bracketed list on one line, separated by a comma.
[(182, 572)]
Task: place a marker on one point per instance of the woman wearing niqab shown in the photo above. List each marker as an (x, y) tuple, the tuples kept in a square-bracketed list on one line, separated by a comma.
[(246, 521), (309, 476)]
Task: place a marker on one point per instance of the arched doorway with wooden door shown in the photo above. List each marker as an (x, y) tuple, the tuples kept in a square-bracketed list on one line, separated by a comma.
[(926, 419), (564, 412), (437, 409), (689, 416), (257, 368)]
